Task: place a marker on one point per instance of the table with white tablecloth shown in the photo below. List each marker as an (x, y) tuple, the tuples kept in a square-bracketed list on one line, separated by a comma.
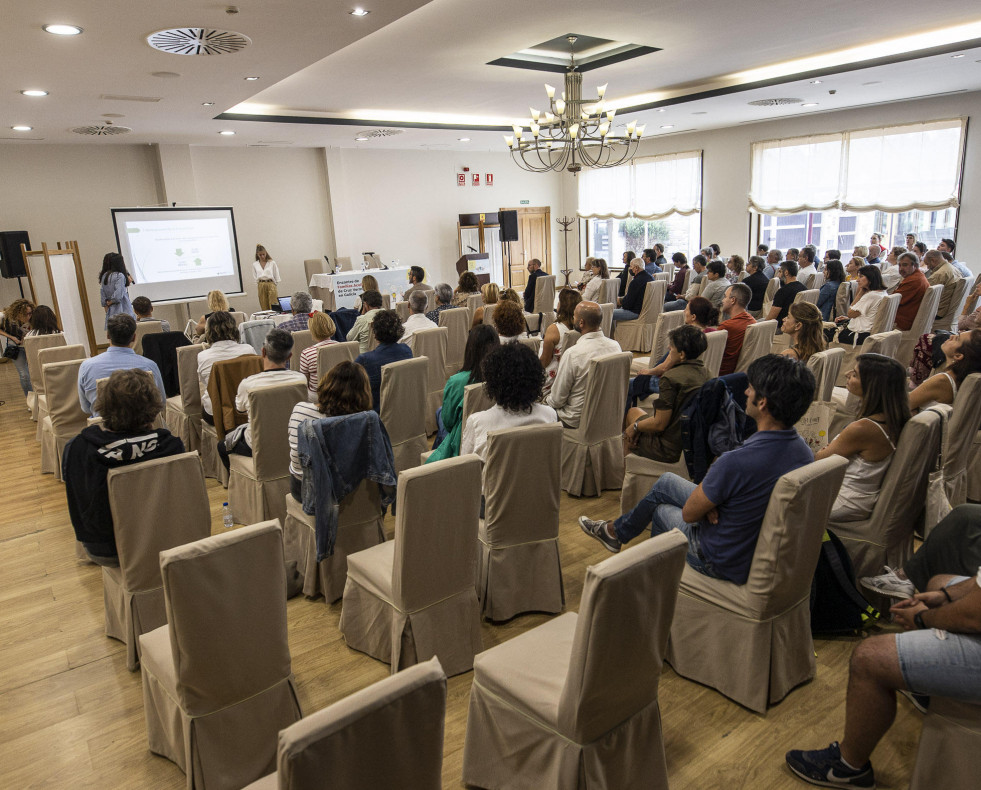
[(340, 290)]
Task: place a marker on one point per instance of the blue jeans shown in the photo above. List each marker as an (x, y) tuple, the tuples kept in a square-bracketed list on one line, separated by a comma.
[(624, 315), (677, 304), (21, 364), (661, 510)]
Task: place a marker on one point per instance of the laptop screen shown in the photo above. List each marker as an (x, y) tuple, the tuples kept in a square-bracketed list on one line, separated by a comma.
[(285, 304)]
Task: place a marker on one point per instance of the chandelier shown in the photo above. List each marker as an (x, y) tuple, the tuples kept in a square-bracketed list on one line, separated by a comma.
[(574, 133)]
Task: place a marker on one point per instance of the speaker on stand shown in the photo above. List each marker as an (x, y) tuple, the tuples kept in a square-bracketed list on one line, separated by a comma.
[(12, 263), (509, 232)]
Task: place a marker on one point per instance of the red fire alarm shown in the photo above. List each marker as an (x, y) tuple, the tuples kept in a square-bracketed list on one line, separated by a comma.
[(489, 179), (476, 179)]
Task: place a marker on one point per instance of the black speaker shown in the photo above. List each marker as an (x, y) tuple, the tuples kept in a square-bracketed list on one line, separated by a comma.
[(11, 261), (509, 225)]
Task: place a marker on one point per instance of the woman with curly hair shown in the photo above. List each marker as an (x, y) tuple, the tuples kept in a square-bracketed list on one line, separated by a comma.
[(552, 339), (322, 328), (734, 267), (804, 326), (467, 286), (513, 378), (344, 389), (13, 326), (491, 295), (387, 329), (481, 341), (43, 322), (511, 295), (509, 320)]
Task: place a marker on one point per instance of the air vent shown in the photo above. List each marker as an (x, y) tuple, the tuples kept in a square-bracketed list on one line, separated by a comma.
[(102, 130), (376, 133), (774, 102), (197, 41), (113, 97)]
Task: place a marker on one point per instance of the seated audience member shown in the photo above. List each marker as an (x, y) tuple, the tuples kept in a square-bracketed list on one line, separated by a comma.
[(649, 258), (869, 443), (344, 389), (806, 265), (659, 436), (14, 325), (910, 241), (734, 268), (513, 378), (467, 286), (701, 313), (216, 303), (301, 303), (633, 302), (129, 406), (481, 341), (793, 254), (856, 326), (660, 261), (444, 297), (143, 308), (715, 288), (942, 273), (121, 331), (587, 273), (832, 255), (509, 320), (276, 353), (773, 260), (43, 322), (834, 276), (948, 246), (939, 654), (786, 293), (875, 238), (734, 305), (568, 393), (387, 329), (920, 249), (970, 319), (600, 274), (416, 276), (490, 294), (861, 251), (510, 295), (911, 289), (552, 339), (890, 269), (534, 272), (698, 264), (675, 290), (371, 303), (368, 283), (624, 274), (852, 267), (757, 282), (322, 328), (805, 329), (417, 320), (722, 516), (221, 340), (873, 257), (962, 355), (762, 250)]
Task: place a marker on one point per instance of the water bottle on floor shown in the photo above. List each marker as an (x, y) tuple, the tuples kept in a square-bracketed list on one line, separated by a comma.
[(226, 516)]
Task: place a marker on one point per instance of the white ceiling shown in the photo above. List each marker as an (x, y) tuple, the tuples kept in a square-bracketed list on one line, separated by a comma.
[(317, 62)]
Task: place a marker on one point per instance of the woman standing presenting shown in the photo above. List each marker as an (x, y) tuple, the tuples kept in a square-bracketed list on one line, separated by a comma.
[(113, 282), (266, 275)]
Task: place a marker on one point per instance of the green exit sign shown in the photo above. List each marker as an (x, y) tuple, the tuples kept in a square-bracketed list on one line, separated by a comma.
[(525, 202)]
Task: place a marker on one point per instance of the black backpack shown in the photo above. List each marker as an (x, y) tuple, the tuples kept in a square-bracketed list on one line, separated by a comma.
[(837, 607)]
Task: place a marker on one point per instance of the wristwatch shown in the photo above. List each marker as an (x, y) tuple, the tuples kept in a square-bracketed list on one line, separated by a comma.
[(918, 621)]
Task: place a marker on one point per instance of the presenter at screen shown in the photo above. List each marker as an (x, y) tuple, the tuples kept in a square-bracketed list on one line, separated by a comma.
[(266, 275), (113, 282)]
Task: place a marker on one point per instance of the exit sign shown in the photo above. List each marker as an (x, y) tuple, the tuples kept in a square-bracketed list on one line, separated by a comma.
[(525, 202)]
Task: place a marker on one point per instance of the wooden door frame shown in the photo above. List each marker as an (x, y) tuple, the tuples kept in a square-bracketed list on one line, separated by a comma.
[(519, 210)]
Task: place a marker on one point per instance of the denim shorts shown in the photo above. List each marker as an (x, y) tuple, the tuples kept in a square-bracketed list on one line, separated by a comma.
[(937, 662)]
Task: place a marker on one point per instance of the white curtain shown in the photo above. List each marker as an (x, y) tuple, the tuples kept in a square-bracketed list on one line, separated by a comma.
[(894, 169), (650, 188)]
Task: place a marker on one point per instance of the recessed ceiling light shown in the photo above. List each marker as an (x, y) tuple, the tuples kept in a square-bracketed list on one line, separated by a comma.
[(226, 132), (165, 75), (35, 93), (810, 104), (207, 104), (874, 82), (360, 12), (661, 109), (22, 128), (463, 139), (700, 112), (251, 79), (815, 82), (361, 139), (959, 55), (62, 30), (668, 126)]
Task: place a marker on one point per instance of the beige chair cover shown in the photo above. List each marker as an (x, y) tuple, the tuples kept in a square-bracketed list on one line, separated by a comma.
[(548, 709), (666, 323), (489, 314), (809, 284), (810, 296), (312, 266), (569, 339), (825, 366), (638, 335), (183, 413), (156, 505), (475, 398), (607, 323), (844, 297), (403, 409), (388, 735), (712, 355), (765, 624), (520, 569), (257, 485), (640, 475), (457, 322), (886, 537), (402, 308), (756, 343), (213, 467), (885, 343), (771, 290), (592, 454), (145, 328), (335, 353), (301, 340), (949, 754), (948, 321), (473, 302), (544, 305), (961, 433), (217, 681), (360, 526), (413, 598), (31, 346), (534, 343), (817, 281), (432, 344), (662, 277), (921, 324), (609, 291), (65, 416), (46, 356), (885, 315), (239, 316)]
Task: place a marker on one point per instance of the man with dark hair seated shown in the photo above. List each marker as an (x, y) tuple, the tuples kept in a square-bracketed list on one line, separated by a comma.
[(371, 303), (416, 276), (721, 517), (129, 405), (387, 330), (143, 308)]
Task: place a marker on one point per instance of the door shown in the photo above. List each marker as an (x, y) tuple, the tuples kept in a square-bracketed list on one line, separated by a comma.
[(534, 241)]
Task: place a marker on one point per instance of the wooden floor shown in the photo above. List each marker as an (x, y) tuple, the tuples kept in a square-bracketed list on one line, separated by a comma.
[(71, 715)]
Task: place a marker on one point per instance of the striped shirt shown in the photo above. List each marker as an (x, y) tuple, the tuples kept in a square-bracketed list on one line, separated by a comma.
[(302, 412), (308, 365)]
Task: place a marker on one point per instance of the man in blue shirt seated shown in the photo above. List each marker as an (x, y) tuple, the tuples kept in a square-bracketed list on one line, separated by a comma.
[(121, 330), (651, 265), (722, 516), (387, 329)]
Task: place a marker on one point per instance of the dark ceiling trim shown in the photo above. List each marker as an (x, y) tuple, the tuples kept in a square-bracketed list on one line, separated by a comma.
[(320, 121), (590, 65)]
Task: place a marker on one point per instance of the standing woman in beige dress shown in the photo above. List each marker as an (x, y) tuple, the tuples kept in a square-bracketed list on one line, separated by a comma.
[(266, 276)]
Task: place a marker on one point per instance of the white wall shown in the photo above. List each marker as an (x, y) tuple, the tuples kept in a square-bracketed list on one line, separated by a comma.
[(404, 204)]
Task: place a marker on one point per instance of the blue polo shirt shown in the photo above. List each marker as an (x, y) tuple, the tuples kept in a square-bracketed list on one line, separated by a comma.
[(102, 365), (740, 483)]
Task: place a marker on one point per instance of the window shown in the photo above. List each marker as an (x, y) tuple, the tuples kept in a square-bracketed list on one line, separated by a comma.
[(610, 238)]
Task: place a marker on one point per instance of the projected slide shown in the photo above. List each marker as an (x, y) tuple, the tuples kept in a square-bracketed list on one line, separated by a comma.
[(179, 254)]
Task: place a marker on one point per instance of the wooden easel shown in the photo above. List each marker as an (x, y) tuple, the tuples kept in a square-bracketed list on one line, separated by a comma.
[(72, 309)]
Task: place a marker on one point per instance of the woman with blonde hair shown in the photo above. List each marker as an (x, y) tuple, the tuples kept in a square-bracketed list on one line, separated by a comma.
[(804, 325), (552, 339), (266, 274), (322, 328), (511, 295), (14, 326), (852, 267), (491, 295), (217, 303), (368, 283)]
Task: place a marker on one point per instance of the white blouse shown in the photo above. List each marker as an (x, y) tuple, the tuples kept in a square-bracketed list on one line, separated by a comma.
[(592, 289), (268, 272), (868, 306)]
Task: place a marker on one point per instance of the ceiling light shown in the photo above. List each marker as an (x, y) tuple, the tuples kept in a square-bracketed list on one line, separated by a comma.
[(668, 126), (701, 112), (22, 128), (361, 139), (226, 132), (874, 82), (207, 104), (35, 93), (360, 12), (251, 79), (810, 104), (63, 30), (959, 55), (815, 82), (662, 109), (463, 139)]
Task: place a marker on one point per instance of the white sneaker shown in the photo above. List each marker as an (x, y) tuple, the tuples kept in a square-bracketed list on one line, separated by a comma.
[(889, 584)]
